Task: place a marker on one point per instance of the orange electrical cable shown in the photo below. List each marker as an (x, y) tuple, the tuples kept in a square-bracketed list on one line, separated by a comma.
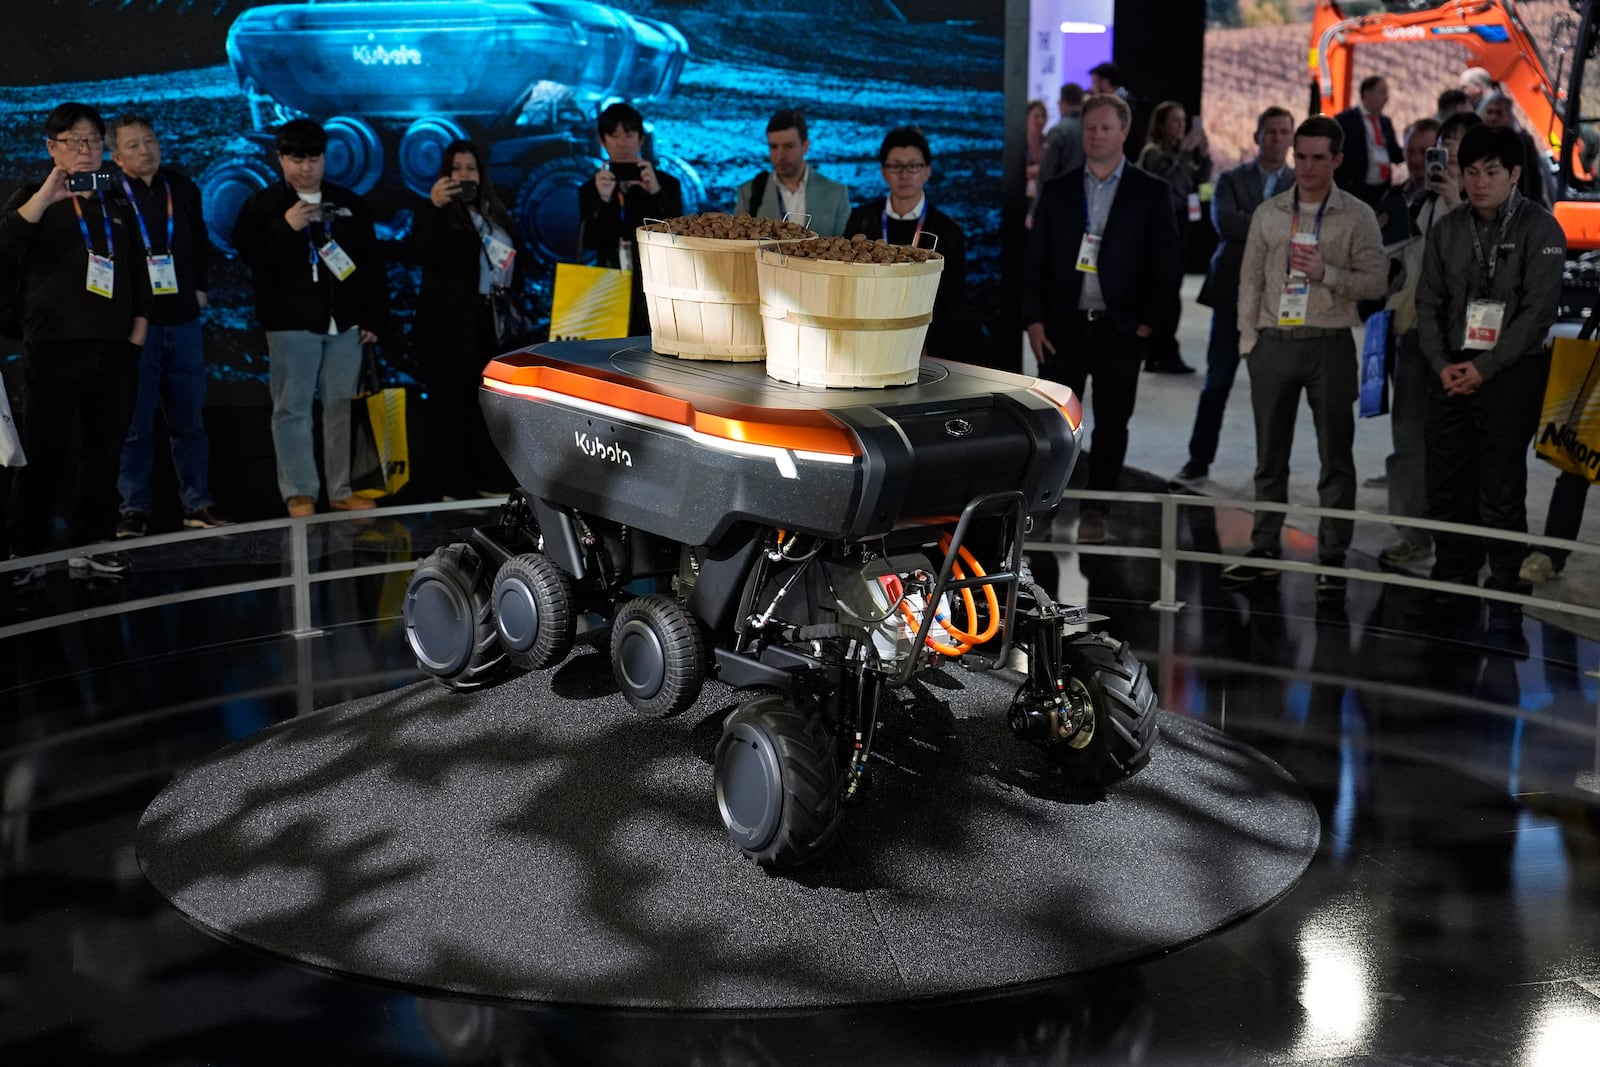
[(964, 641)]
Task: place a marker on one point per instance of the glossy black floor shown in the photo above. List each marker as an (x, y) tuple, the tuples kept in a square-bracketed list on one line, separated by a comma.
[(1450, 916)]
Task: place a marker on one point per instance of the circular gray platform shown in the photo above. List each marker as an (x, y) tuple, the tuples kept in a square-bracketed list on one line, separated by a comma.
[(539, 841)]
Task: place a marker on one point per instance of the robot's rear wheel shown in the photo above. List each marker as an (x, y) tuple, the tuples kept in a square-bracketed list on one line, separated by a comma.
[(1110, 679), (658, 655), (224, 188), (449, 618), (777, 782), (547, 208), (533, 613)]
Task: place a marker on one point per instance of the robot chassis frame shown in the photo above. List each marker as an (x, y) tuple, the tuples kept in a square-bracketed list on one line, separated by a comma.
[(763, 613)]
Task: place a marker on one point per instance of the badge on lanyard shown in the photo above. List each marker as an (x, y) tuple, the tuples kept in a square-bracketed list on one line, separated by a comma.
[(337, 260), (1089, 254), (1194, 207), (500, 254), (163, 275), (1292, 303), (1484, 319), (625, 254), (102, 277)]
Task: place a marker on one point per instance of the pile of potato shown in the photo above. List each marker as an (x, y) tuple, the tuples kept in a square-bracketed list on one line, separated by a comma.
[(720, 225), (858, 249)]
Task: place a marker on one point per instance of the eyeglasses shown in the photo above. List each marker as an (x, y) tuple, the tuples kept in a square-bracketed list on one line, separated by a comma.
[(81, 144), (905, 168)]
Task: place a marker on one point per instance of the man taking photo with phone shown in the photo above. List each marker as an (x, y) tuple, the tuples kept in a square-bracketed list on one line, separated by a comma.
[(622, 194), (82, 307)]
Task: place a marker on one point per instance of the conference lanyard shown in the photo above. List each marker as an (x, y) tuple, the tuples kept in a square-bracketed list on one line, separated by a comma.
[(917, 233), (1294, 228), (144, 233), (83, 227), (1494, 249), (101, 279)]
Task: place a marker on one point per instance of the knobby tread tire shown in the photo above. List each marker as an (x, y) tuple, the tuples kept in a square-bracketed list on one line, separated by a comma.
[(1124, 711), (682, 645), (460, 565), (552, 597), (810, 812)]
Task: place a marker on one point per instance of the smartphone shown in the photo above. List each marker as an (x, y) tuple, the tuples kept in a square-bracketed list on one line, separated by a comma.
[(465, 191), (624, 172), (1437, 162), (90, 181)]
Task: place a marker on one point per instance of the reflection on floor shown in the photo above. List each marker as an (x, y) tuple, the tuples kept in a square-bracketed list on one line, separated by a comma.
[(1450, 916)]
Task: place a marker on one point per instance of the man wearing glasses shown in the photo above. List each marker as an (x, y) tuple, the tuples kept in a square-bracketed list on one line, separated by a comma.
[(905, 217), (83, 307)]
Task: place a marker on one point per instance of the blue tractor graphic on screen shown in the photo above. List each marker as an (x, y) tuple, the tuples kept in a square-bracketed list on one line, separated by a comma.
[(395, 81)]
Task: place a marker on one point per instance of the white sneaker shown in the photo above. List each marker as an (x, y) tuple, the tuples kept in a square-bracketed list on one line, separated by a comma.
[(1538, 568)]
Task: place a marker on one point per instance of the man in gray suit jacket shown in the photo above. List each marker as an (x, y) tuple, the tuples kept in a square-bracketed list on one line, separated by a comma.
[(1239, 192), (799, 190)]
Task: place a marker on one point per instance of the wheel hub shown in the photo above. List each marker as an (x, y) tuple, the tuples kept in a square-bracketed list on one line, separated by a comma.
[(641, 660)]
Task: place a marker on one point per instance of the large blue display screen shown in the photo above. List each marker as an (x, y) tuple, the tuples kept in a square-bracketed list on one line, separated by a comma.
[(395, 80)]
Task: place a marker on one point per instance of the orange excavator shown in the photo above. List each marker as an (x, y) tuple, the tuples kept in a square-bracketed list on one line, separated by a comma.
[(1561, 102)]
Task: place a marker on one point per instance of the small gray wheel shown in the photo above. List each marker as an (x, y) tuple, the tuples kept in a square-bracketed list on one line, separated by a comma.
[(657, 655), (533, 613)]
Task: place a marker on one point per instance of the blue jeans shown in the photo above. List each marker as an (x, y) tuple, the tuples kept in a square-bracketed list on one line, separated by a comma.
[(1222, 364), (172, 372), (301, 364)]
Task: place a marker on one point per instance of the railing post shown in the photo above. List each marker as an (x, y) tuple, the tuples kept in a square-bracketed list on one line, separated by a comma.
[(1169, 601), (300, 571)]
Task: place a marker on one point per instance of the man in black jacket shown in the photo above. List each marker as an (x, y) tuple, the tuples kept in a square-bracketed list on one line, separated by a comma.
[(620, 196), (1371, 150), (83, 307), (1103, 261), (1239, 192), (903, 217), (175, 252), (321, 293)]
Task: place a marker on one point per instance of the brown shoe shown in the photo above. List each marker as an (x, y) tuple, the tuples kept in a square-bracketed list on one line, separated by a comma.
[(301, 506), (352, 502)]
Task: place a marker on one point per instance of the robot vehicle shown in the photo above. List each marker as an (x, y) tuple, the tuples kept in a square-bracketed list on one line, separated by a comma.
[(395, 82), (814, 547)]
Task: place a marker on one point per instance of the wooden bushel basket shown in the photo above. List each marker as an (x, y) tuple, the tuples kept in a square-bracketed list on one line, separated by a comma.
[(844, 325), (702, 296)]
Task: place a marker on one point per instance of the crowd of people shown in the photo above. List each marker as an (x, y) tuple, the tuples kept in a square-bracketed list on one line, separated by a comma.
[(105, 274), (1444, 224)]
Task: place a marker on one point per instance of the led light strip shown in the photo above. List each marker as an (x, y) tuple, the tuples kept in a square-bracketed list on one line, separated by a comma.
[(783, 457)]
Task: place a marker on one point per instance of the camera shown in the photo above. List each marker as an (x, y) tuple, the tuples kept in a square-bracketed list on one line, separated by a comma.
[(90, 181), (465, 191), (624, 172), (1437, 163)]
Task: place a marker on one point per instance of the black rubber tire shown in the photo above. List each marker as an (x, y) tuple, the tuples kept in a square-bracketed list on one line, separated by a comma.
[(777, 782), (657, 655), (533, 615), (1124, 701), (449, 618)]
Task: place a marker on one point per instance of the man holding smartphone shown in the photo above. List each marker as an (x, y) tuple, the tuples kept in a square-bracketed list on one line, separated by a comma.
[(83, 316), (622, 194), (322, 291)]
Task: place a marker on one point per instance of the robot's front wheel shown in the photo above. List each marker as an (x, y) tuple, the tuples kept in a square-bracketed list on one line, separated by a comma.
[(533, 613), (777, 782), (657, 655), (1107, 679), (449, 618)]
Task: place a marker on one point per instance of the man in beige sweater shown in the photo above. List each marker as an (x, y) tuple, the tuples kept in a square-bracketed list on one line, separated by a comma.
[(1312, 253)]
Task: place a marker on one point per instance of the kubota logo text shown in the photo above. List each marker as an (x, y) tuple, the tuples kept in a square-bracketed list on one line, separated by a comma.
[(375, 55), (595, 448)]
